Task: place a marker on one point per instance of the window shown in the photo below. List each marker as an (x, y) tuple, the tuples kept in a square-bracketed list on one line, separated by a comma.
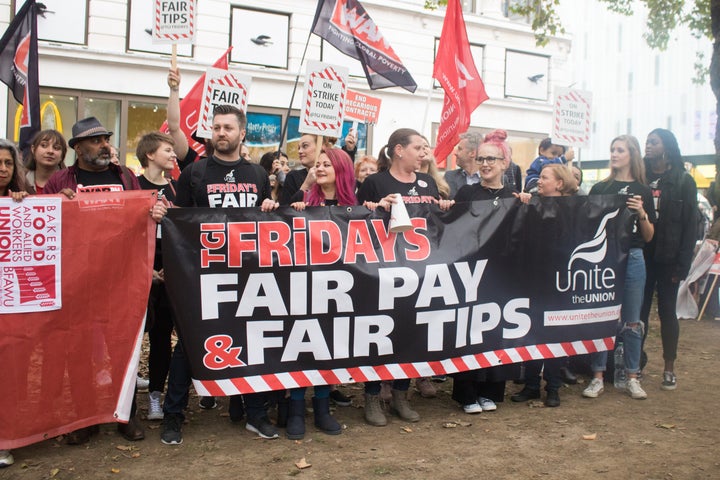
[(53, 26)]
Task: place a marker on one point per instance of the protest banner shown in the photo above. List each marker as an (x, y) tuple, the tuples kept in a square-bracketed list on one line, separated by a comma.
[(30, 234), (174, 21), (222, 87), (362, 107), (76, 366), (269, 301), (571, 117), (323, 104)]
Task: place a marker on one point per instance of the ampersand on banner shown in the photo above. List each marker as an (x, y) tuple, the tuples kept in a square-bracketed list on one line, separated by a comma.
[(221, 354)]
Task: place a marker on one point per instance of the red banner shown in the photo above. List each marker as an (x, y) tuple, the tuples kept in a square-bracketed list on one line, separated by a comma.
[(464, 89), (75, 367)]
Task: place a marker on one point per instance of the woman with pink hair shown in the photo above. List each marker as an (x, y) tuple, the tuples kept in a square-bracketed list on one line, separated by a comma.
[(334, 185)]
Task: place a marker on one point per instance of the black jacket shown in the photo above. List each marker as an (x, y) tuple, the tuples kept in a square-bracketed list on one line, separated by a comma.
[(676, 228)]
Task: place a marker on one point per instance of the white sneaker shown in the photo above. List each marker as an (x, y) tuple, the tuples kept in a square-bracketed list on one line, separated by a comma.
[(6, 458), (635, 390), (595, 388), (472, 408), (487, 405), (142, 383), (155, 411)]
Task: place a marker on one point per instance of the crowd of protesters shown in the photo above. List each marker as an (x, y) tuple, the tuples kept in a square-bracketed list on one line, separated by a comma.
[(658, 192)]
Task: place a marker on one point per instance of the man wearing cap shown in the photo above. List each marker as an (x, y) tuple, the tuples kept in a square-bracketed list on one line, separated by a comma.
[(94, 172), (223, 180)]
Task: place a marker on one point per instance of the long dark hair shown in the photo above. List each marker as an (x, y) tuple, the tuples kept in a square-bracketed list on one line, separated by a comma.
[(17, 180), (52, 136), (670, 145)]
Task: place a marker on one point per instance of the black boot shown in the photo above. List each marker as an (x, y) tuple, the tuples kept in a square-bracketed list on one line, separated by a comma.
[(283, 407), (296, 420), (323, 420)]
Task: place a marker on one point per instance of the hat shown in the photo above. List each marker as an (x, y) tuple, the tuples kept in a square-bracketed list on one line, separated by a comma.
[(86, 128)]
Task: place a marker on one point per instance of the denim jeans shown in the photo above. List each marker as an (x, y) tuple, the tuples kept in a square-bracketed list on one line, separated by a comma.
[(631, 336)]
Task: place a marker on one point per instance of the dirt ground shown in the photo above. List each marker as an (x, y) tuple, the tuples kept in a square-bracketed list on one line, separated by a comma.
[(671, 435)]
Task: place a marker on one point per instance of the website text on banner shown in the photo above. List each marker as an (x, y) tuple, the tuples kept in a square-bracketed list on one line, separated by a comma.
[(278, 300)]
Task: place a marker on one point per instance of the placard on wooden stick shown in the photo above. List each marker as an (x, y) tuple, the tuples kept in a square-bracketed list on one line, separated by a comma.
[(174, 21)]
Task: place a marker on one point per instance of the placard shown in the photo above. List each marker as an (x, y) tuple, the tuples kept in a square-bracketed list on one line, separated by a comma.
[(324, 99), (222, 87), (362, 107), (174, 21), (30, 241), (571, 117)]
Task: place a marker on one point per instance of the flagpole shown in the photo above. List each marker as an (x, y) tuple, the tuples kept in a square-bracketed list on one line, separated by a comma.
[(427, 107), (283, 130)]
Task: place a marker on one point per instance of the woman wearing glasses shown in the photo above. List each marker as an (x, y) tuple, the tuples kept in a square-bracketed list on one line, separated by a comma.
[(478, 390)]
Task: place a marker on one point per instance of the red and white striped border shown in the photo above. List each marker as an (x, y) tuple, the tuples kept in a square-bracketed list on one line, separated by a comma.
[(572, 139), (174, 36), (227, 81), (328, 74), (307, 378)]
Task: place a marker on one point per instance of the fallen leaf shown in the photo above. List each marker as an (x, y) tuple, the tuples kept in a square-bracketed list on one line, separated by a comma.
[(125, 448), (115, 470), (302, 464), (136, 455), (463, 424), (225, 414), (646, 442), (54, 472), (450, 425), (591, 436), (406, 429), (668, 426)]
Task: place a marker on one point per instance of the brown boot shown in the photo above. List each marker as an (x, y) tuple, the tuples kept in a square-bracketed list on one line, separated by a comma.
[(131, 431), (401, 407), (373, 411)]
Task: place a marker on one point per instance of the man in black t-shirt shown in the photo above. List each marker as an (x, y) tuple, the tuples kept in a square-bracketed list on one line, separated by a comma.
[(223, 180)]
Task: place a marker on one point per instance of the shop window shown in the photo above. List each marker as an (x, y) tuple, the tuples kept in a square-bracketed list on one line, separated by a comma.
[(142, 118)]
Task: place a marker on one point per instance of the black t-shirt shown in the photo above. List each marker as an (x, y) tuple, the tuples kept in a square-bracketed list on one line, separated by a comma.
[(469, 193), (167, 191), (220, 184), (293, 182), (105, 181), (378, 185), (615, 187)]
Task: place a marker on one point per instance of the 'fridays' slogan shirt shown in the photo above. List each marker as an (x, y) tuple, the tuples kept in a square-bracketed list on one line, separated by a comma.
[(223, 185)]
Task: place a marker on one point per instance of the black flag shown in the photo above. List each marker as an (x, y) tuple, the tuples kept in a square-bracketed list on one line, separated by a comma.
[(19, 68), (347, 26)]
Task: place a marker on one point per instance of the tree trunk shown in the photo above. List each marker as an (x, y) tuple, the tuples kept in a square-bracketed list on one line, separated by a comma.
[(715, 78)]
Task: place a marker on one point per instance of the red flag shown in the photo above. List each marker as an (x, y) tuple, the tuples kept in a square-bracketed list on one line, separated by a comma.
[(74, 367), (456, 72), (19, 68), (190, 108)]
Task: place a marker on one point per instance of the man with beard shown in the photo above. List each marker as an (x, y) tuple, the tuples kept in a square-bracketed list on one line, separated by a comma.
[(223, 180), (94, 171)]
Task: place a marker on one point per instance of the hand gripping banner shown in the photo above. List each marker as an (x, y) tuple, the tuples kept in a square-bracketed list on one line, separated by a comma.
[(278, 300)]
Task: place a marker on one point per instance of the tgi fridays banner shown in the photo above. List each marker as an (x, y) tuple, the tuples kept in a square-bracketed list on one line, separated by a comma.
[(269, 301), (174, 21), (76, 366), (30, 245)]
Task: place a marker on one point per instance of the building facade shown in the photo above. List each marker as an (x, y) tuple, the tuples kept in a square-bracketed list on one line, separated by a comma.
[(97, 58)]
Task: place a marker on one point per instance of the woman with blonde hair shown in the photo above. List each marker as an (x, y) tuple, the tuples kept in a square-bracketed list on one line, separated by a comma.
[(627, 178), (429, 166)]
